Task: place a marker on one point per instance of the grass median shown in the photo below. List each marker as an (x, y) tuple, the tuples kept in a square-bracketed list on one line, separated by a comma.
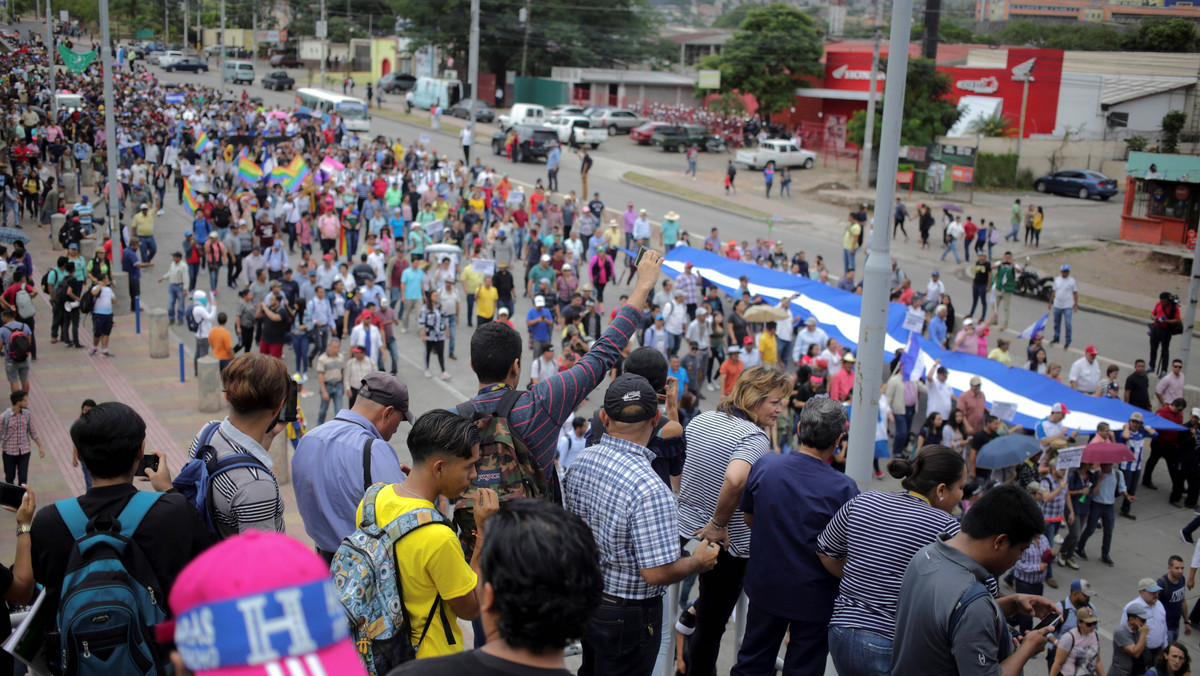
[(692, 195)]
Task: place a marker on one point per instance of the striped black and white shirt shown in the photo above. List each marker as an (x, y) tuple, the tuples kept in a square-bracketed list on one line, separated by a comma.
[(243, 498), (714, 439), (878, 533)]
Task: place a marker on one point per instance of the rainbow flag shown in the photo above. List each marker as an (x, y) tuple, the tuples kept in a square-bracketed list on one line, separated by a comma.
[(202, 142), (189, 198), (248, 171), (298, 171)]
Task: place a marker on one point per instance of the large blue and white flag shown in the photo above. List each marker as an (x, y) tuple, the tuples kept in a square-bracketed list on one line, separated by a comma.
[(837, 313), (912, 354), (1036, 327)]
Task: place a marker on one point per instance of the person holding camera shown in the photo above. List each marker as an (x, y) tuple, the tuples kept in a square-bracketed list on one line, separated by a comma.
[(1166, 321), (247, 497)]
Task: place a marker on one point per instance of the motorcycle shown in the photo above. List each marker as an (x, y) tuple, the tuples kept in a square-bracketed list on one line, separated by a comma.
[(1030, 283)]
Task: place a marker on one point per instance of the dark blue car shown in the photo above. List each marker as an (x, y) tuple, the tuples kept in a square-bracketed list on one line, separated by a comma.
[(1079, 182)]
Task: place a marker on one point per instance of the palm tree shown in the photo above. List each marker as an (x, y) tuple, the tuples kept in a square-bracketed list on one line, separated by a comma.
[(992, 126)]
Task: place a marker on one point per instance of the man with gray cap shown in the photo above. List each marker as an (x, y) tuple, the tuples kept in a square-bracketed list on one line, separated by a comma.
[(811, 334), (336, 462), (613, 483), (1157, 637), (1129, 641)]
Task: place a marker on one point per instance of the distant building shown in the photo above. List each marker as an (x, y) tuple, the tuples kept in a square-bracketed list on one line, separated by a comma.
[(1117, 11)]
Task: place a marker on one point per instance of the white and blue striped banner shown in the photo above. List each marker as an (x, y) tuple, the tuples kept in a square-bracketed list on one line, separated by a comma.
[(837, 312)]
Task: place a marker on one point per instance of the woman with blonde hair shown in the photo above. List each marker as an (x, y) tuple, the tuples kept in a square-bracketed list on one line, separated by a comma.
[(722, 446)]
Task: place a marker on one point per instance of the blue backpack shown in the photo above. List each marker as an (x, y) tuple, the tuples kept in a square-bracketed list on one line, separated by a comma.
[(194, 481), (106, 615), (366, 575)]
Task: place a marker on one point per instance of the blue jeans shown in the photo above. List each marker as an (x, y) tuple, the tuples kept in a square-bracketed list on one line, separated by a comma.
[(300, 347), (176, 303), (471, 307), (318, 340), (1015, 234), (903, 426), (847, 259), (335, 398), (784, 347), (451, 330), (214, 274), (391, 348), (674, 340), (691, 168), (622, 638), (951, 248), (148, 247), (1059, 314), (1051, 531), (860, 653), (518, 239), (1104, 515), (351, 243), (1133, 477), (396, 300)]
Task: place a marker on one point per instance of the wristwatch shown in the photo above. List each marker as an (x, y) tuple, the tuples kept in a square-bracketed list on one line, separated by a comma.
[(21, 530)]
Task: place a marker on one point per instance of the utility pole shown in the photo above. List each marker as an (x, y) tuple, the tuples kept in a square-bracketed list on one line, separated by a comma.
[(1189, 313), (323, 35), (254, 29), (933, 18), (50, 60), (525, 49), (1023, 74), (869, 138), (872, 327), (473, 65), (221, 59), (166, 22), (199, 32), (185, 24), (110, 133)]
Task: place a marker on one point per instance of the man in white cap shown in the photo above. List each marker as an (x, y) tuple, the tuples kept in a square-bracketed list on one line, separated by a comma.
[(811, 334), (641, 229), (202, 313), (675, 321)]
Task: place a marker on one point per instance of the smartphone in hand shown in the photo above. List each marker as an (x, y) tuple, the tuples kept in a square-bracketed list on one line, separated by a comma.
[(1051, 619), (148, 461), (11, 495)]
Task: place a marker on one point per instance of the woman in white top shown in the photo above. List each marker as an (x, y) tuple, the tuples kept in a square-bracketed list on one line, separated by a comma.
[(1038, 364)]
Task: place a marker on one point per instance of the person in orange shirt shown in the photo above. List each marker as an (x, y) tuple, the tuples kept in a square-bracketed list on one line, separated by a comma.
[(731, 370), (221, 341)]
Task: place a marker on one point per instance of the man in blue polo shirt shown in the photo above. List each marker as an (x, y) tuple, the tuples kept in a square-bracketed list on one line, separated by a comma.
[(1134, 435)]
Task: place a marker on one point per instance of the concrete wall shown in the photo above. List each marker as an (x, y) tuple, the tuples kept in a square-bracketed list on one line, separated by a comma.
[(234, 37), (1146, 114)]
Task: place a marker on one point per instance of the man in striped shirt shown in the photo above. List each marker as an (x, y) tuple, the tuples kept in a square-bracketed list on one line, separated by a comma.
[(539, 413)]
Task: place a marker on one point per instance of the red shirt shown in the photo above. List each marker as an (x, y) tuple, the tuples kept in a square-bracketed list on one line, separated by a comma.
[(1159, 311), (10, 294), (841, 384), (1165, 436), (520, 217), (108, 250), (969, 230)]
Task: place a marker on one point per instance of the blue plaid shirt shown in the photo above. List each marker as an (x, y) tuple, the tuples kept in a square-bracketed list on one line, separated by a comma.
[(630, 510)]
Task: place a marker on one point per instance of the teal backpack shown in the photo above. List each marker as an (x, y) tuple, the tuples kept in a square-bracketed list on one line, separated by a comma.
[(110, 599), (365, 573)]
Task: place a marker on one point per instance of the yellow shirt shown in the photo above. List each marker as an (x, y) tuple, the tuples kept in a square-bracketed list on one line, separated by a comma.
[(768, 352), (850, 238), (613, 235), (441, 210), (430, 562), (1001, 356), (485, 302), (476, 205), (471, 280)]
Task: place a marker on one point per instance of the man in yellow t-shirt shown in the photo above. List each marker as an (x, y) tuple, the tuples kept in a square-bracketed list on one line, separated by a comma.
[(445, 448), (471, 282), (485, 301), (768, 346)]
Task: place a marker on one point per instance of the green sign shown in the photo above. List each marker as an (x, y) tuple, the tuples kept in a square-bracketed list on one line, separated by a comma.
[(74, 61), (144, 34)]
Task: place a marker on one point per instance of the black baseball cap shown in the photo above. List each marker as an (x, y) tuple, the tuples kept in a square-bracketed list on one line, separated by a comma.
[(386, 390), (630, 390)]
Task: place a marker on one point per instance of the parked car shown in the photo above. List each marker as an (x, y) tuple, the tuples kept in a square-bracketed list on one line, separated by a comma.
[(781, 152), (278, 80), (188, 64), (395, 83), (616, 120), (1082, 183), (684, 136), (462, 110), (522, 113), (168, 57), (565, 109), (533, 140), (642, 133), (286, 61), (577, 130)]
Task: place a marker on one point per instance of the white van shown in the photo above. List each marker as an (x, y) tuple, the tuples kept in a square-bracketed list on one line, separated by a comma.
[(237, 71), (522, 113), (428, 90)]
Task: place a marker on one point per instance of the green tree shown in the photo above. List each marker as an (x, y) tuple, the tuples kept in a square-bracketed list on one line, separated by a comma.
[(1086, 36), (773, 47), (1172, 124), (1163, 35), (927, 113), (734, 17), (992, 126), (600, 33)]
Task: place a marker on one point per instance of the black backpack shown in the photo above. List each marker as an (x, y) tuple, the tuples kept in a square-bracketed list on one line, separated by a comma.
[(46, 282), (64, 235), (18, 344), (60, 290), (190, 316), (87, 303)]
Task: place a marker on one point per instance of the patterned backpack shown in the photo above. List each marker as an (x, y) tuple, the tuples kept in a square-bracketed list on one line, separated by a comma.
[(365, 573), (505, 465)]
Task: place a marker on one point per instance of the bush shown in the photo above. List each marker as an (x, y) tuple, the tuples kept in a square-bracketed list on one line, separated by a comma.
[(1136, 144), (1000, 171)]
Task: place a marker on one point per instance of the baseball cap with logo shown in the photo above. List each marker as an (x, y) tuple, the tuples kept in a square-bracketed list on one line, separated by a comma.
[(1090, 349), (630, 390), (386, 390), (1059, 408), (1135, 416), (231, 602), (1082, 585), (1086, 616)]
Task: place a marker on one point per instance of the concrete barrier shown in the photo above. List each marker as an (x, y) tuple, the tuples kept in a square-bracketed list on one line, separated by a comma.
[(68, 181), (87, 250), (210, 384), (120, 287), (57, 221), (160, 338)]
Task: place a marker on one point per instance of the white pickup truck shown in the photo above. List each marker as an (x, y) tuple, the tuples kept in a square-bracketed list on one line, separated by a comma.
[(576, 130), (782, 152), (522, 113)]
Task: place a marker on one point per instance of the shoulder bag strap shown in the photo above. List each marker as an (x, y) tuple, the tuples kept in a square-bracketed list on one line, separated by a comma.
[(73, 516), (507, 402), (135, 510), (367, 462)]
